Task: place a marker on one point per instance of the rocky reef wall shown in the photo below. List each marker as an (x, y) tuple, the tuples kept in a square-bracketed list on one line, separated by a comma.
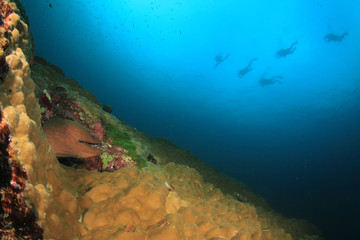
[(165, 198), (37, 184)]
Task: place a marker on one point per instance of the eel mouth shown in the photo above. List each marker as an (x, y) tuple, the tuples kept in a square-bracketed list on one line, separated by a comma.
[(91, 144)]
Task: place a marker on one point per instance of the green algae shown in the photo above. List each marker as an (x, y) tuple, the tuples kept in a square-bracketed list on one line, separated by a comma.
[(106, 159), (123, 140)]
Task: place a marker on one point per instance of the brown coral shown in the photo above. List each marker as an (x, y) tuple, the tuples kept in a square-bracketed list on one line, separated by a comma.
[(17, 219)]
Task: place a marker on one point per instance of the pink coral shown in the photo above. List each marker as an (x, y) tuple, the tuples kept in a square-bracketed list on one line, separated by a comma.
[(119, 159), (98, 130)]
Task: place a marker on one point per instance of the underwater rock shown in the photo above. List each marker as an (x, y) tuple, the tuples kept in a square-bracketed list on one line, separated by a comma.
[(70, 139)]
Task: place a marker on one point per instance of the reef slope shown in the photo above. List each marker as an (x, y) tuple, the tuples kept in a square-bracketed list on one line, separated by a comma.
[(180, 197)]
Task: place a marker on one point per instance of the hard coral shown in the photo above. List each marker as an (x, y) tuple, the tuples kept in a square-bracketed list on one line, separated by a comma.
[(17, 219)]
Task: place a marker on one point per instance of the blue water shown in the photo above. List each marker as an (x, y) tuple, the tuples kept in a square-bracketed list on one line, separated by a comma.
[(296, 143)]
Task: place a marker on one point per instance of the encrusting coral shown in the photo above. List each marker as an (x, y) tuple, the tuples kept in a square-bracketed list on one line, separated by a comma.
[(127, 198)]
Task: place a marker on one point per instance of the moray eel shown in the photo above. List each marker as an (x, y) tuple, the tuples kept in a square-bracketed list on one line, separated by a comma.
[(71, 139)]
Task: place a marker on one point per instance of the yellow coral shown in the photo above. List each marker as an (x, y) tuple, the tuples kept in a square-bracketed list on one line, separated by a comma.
[(128, 160)]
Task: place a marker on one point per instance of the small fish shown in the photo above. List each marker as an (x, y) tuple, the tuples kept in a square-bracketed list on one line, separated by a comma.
[(50, 5)]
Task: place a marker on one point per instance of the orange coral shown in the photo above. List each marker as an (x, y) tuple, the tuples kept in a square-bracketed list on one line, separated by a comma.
[(17, 219)]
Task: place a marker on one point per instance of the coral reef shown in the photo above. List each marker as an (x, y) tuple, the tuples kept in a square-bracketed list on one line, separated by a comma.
[(26, 200), (65, 99), (128, 197), (18, 220)]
